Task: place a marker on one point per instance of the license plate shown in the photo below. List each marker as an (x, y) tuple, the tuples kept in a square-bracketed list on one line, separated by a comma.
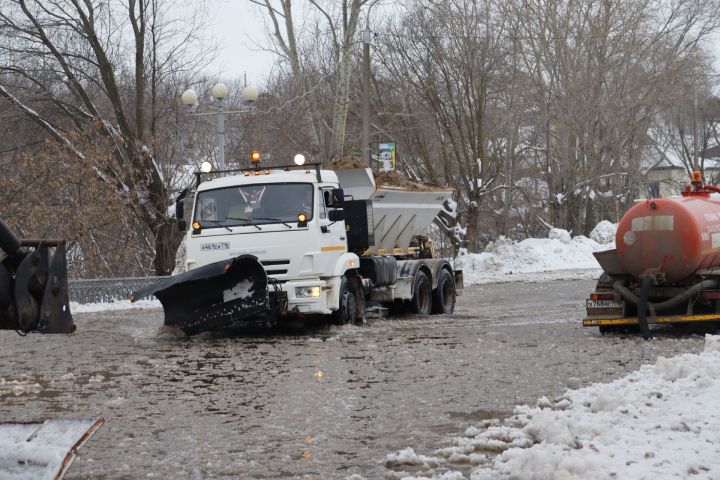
[(604, 303), (214, 246)]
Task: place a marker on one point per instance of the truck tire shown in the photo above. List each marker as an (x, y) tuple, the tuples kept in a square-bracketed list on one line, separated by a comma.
[(443, 297), (421, 301), (350, 310)]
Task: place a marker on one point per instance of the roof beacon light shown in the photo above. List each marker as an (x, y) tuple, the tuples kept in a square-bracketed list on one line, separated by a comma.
[(206, 167), (299, 159), (255, 157)]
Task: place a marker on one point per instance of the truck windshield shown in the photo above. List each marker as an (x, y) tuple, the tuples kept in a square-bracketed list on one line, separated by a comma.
[(254, 204)]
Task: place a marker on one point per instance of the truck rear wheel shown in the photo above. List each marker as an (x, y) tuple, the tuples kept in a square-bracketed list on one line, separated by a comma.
[(421, 301), (443, 297), (350, 308)]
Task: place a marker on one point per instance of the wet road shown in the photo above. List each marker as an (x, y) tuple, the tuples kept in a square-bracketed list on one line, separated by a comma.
[(327, 403)]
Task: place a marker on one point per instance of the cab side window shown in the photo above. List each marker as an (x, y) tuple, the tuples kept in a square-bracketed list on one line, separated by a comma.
[(324, 197)]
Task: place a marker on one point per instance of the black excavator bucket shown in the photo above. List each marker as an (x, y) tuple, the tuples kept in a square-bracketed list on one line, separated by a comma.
[(233, 291), (33, 285)]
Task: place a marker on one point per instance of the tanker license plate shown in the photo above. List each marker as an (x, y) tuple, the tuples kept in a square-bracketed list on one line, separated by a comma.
[(604, 303)]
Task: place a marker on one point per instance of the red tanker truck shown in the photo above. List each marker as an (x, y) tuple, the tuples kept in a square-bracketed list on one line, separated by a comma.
[(665, 268)]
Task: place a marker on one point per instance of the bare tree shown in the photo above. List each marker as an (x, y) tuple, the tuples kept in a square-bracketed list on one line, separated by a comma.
[(598, 70), (340, 26), (66, 70), (447, 66)]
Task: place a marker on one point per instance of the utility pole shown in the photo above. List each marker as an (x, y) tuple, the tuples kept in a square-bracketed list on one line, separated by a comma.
[(366, 98), (696, 142), (221, 132)]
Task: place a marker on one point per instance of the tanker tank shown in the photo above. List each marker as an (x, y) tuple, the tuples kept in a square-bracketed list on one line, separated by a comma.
[(674, 237), (665, 268)]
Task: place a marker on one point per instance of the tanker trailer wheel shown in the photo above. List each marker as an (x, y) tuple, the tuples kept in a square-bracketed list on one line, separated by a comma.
[(608, 329), (443, 297), (350, 309), (421, 301)]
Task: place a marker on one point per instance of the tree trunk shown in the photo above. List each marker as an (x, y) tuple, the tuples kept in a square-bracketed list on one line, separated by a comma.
[(167, 241), (473, 225)]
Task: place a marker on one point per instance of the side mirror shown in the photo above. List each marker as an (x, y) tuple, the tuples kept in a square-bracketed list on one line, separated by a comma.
[(337, 197), (180, 210), (336, 215)]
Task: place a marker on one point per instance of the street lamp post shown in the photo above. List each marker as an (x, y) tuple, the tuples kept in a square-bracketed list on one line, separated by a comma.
[(220, 91)]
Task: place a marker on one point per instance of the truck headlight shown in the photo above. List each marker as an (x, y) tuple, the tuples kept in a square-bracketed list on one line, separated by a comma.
[(307, 292)]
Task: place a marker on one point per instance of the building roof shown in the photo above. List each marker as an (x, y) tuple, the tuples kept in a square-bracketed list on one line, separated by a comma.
[(670, 160)]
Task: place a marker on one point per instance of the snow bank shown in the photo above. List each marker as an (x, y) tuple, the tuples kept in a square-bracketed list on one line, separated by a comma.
[(107, 306), (660, 422), (604, 232), (558, 256)]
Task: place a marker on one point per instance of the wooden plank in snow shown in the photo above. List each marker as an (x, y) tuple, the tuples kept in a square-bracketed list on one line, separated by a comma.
[(42, 450)]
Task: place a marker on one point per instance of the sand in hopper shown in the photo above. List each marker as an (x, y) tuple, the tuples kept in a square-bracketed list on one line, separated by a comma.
[(385, 179)]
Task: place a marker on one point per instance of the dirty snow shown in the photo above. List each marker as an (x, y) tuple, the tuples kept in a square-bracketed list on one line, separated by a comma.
[(660, 422), (537, 259), (40, 451), (117, 305), (18, 387)]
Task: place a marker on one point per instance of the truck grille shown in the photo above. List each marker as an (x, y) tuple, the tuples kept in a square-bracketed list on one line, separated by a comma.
[(275, 267)]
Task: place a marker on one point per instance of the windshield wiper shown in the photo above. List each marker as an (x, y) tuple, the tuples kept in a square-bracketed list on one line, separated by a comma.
[(273, 220), (243, 220), (218, 223)]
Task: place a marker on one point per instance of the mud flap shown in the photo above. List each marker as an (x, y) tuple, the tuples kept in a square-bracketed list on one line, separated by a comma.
[(216, 295)]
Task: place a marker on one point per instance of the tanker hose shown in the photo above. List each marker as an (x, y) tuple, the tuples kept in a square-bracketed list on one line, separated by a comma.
[(669, 303), (642, 306)]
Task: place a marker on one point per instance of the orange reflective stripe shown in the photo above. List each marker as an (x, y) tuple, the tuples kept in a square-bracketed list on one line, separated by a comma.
[(332, 249)]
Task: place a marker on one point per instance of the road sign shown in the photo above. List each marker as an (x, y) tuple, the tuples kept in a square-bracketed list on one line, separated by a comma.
[(387, 156)]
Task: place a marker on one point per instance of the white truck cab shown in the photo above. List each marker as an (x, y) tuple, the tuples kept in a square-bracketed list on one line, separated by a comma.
[(282, 218)]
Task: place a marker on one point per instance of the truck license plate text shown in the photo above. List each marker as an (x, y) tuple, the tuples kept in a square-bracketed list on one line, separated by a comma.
[(603, 303), (215, 246)]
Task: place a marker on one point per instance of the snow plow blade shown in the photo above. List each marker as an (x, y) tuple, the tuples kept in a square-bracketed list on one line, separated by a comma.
[(217, 295), (33, 285)]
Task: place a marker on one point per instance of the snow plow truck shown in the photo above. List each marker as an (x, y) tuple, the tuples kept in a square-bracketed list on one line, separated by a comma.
[(665, 268), (268, 245)]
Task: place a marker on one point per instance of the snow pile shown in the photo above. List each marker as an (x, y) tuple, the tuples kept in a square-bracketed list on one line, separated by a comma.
[(107, 306), (536, 258), (559, 234), (659, 422), (409, 457), (604, 232), (18, 387)]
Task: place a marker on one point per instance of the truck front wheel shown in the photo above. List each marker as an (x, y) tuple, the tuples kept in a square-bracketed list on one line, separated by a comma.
[(350, 308)]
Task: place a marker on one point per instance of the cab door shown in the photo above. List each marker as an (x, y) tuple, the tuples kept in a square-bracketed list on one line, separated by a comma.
[(333, 242)]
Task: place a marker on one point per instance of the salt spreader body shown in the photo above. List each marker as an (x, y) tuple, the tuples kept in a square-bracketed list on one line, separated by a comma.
[(666, 265), (266, 245)]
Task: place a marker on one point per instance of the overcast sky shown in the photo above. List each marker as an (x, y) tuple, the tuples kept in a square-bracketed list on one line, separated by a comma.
[(237, 24)]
